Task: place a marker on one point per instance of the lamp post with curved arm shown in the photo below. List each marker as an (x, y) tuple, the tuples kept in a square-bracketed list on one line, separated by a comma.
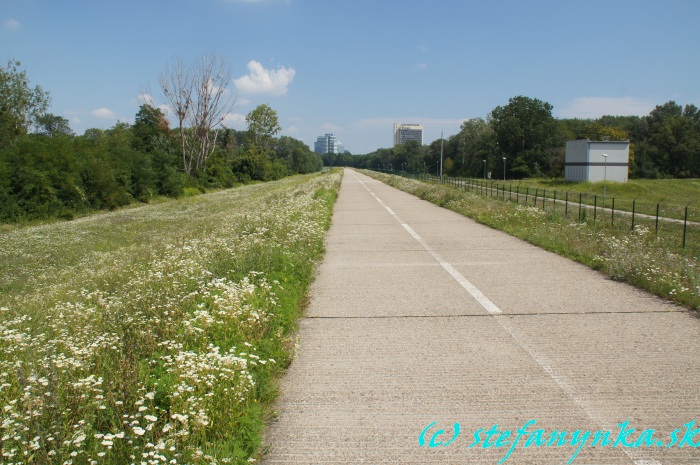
[(605, 174)]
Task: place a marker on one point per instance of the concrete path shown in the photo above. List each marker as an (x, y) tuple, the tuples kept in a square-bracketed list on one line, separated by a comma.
[(423, 321)]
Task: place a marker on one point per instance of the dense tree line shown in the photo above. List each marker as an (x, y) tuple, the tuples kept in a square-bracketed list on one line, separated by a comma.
[(666, 143), (46, 171)]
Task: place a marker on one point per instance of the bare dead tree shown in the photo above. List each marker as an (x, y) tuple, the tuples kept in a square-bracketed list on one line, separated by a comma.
[(200, 100), (212, 103), (176, 84)]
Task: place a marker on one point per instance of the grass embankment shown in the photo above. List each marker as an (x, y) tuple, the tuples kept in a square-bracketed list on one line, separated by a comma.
[(155, 334), (636, 256), (672, 191), (671, 195)]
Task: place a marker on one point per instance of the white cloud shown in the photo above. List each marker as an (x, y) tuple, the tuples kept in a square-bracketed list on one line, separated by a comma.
[(264, 81), (144, 99), (331, 127), (291, 130), (105, 113), (595, 107), (235, 121), (12, 25), (421, 66)]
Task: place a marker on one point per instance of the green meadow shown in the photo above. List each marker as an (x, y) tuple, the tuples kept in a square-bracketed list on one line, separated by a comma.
[(672, 195), (155, 334)]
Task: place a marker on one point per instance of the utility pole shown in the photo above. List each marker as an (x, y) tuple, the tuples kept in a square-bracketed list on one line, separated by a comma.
[(605, 175), (442, 143)]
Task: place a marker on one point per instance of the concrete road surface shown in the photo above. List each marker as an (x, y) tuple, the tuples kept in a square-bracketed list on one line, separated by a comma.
[(431, 339)]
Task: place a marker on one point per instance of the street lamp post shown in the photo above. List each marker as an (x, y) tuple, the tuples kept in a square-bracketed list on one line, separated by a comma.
[(504, 168), (484, 169), (442, 142), (605, 174)]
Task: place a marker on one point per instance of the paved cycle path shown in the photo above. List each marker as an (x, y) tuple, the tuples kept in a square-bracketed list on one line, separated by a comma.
[(426, 329)]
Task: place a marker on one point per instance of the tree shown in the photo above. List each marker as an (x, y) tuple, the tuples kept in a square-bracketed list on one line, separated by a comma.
[(176, 84), (53, 126), (476, 142), (409, 156), (262, 126), (199, 98), (150, 128), (21, 105), (525, 131), (674, 139)]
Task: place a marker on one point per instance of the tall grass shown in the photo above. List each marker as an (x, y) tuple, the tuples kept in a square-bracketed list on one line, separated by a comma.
[(671, 196), (154, 335), (670, 191), (636, 256)]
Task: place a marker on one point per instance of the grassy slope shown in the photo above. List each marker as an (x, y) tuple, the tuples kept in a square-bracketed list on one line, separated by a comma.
[(156, 330), (673, 194), (677, 192)]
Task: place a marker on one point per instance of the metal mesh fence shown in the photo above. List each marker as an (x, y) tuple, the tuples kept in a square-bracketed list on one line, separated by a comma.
[(679, 223)]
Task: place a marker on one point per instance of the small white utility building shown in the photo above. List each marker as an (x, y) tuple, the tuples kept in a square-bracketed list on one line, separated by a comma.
[(596, 161)]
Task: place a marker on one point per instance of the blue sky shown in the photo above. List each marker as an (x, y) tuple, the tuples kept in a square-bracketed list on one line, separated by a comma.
[(355, 67)]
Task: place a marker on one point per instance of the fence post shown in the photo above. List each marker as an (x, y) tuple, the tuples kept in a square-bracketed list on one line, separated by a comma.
[(657, 220), (685, 225), (580, 204), (544, 198), (612, 217), (537, 191), (634, 207), (566, 205), (555, 201), (595, 207)]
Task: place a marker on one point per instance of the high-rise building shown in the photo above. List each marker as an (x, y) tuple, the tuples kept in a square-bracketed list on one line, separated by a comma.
[(404, 132), (328, 144)]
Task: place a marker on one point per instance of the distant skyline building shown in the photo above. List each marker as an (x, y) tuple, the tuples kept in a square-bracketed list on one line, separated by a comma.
[(406, 132), (328, 144)]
